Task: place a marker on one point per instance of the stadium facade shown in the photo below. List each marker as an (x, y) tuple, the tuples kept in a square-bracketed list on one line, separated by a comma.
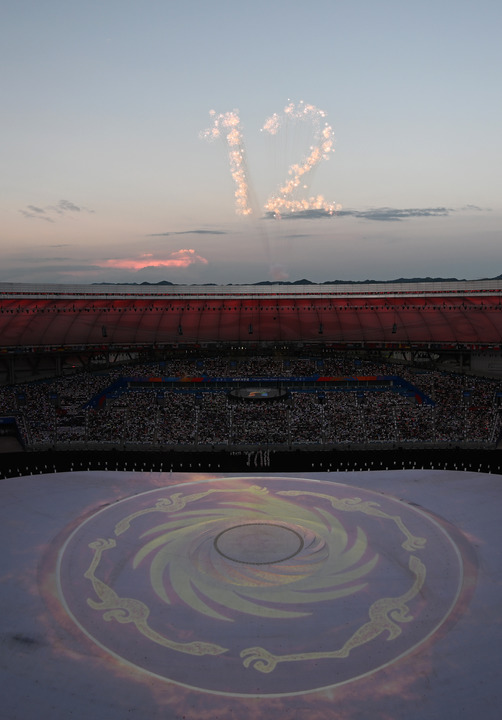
[(45, 328)]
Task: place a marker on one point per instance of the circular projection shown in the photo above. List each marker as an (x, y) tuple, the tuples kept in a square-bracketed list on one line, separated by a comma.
[(258, 393), (258, 543), (281, 587)]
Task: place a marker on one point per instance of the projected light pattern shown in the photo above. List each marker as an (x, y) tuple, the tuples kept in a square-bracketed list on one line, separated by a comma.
[(278, 588), (278, 564)]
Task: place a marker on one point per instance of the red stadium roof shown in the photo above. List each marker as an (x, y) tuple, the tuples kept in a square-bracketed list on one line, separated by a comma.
[(424, 314)]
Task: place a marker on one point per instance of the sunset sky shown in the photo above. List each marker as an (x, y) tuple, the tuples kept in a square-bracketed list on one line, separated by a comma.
[(106, 174)]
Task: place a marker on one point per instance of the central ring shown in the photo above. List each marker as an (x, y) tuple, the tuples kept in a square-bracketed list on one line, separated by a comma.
[(258, 543)]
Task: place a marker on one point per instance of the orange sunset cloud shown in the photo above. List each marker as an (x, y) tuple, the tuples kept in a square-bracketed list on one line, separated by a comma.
[(179, 258)]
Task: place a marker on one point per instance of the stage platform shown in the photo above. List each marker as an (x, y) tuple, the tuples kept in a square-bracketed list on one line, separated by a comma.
[(184, 596)]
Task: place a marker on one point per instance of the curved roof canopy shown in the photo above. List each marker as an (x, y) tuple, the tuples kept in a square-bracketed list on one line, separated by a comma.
[(52, 316)]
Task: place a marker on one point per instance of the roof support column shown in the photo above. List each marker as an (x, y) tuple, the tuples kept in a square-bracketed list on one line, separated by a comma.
[(11, 370)]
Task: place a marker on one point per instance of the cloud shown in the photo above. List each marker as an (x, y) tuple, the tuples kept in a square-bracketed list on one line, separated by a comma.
[(51, 259), (46, 213), (177, 259), (189, 232), (476, 207), (66, 205), (387, 214), (35, 212), (384, 214)]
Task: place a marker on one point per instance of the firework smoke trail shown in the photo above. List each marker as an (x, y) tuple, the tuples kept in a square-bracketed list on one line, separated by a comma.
[(228, 125), (284, 200)]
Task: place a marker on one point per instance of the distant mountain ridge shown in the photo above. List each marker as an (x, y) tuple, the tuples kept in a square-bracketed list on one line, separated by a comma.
[(304, 281)]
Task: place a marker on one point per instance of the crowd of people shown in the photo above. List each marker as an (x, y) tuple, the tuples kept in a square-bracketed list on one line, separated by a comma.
[(447, 408)]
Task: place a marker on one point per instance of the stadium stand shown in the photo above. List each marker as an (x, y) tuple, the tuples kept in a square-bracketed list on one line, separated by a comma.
[(318, 369)]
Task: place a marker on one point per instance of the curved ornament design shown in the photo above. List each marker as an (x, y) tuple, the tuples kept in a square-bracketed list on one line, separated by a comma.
[(279, 588)]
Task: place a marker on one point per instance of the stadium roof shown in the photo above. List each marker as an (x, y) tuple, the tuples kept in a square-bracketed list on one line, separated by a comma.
[(446, 287), (81, 316)]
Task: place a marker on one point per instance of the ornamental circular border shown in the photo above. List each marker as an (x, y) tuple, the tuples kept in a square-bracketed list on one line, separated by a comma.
[(371, 580)]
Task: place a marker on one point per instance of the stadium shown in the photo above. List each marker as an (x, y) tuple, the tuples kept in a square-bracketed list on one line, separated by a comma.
[(312, 368), (241, 502)]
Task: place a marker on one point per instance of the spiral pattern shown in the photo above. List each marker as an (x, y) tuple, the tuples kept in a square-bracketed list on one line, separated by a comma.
[(267, 566), (305, 584)]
